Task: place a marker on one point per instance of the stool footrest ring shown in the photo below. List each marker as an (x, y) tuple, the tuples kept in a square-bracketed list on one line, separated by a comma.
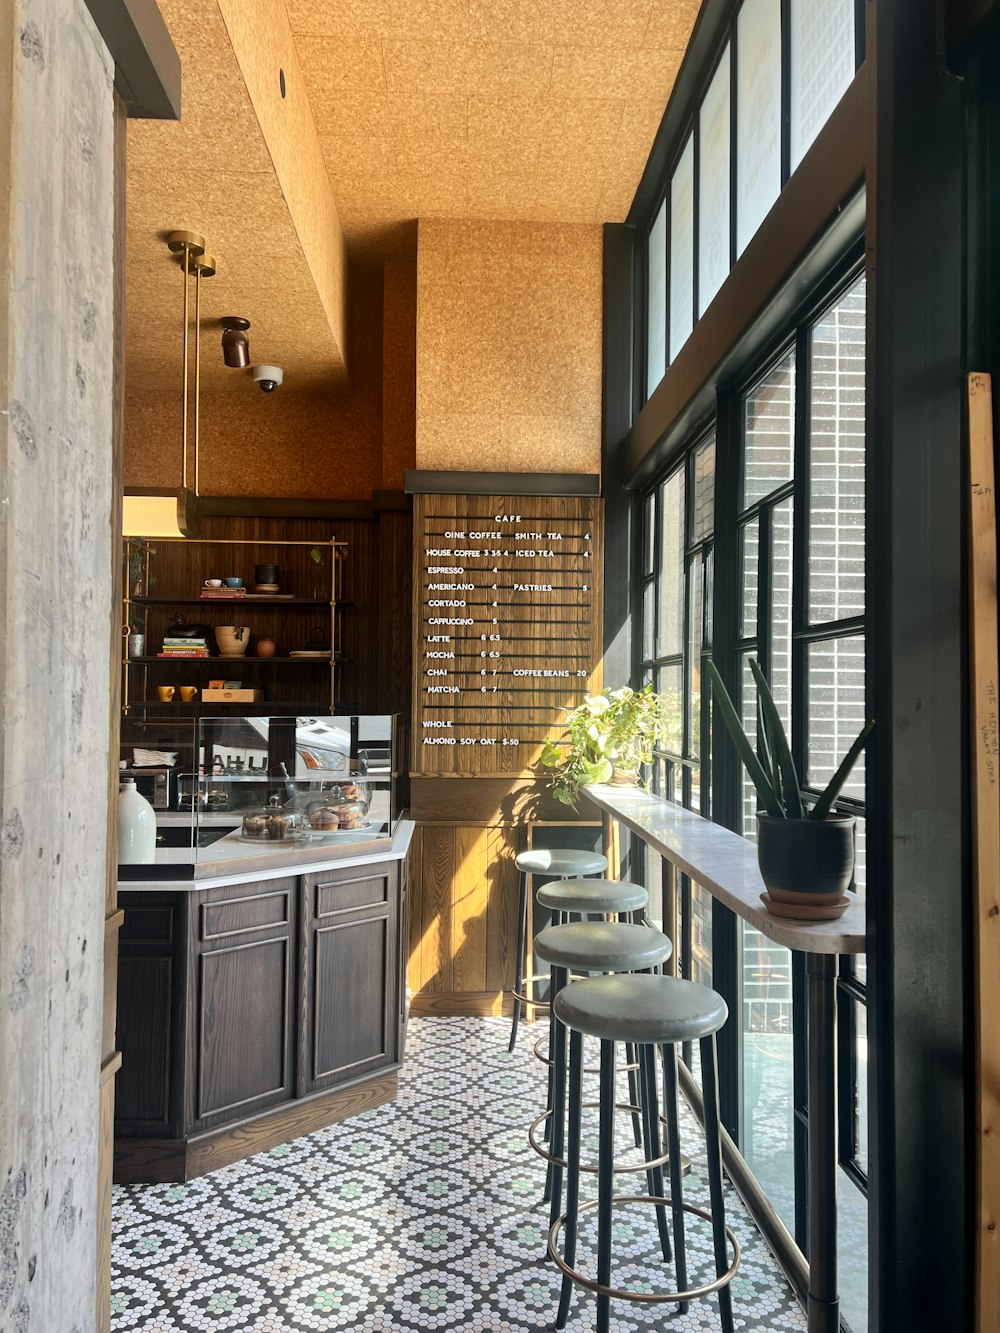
[(646, 1298), (548, 1061), (592, 1170)]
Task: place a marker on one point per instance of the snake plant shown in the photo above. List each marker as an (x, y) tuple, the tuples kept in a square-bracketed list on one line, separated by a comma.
[(770, 766)]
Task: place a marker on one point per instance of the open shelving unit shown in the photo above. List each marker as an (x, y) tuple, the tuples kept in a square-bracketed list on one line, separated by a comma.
[(163, 579)]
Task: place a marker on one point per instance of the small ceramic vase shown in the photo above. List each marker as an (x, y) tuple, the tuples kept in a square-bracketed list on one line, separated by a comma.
[(266, 647), (233, 640)]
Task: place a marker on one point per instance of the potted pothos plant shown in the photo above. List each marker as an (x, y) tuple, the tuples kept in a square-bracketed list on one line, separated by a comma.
[(608, 737), (802, 850)]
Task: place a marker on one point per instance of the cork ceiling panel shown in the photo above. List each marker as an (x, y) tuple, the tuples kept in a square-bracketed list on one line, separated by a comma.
[(213, 173), (541, 110), (534, 110)]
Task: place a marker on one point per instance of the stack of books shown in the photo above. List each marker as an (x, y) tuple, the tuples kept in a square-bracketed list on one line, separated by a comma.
[(178, 647), (223, 593)]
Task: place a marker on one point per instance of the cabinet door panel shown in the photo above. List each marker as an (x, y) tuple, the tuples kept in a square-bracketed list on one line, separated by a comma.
[(142, 1089), (350, 976), (238, 916), (244, 1030), (361, 889)]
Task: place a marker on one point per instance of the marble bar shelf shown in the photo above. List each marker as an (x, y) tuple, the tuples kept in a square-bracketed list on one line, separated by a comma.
[(725, 865)]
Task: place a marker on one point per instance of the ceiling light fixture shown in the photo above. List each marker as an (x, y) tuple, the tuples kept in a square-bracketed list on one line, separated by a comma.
[(235, 343), (158, 511)]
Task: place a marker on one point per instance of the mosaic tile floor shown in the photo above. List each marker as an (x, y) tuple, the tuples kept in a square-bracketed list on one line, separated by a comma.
[(421, 1215)]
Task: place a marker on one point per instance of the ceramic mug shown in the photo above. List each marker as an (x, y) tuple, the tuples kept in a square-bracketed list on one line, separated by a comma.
[(166, 693), (234, 583), (213, 583), (188, 692)]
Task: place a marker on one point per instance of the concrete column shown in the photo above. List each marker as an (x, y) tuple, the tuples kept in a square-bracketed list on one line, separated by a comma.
[(56, 561)]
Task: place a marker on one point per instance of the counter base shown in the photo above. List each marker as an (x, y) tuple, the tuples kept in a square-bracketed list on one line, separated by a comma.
[(173, 1161)]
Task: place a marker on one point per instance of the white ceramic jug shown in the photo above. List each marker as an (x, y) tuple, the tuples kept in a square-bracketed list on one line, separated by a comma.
[(136, 826)]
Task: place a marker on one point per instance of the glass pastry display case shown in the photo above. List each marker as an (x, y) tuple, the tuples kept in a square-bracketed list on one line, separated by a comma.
[(295, 779)]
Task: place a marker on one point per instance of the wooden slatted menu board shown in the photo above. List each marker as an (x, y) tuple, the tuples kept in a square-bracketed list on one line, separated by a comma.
[(507, 614)]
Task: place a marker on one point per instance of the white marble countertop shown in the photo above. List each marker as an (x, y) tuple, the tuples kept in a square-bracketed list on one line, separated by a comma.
[(725, 865), (233, 861)]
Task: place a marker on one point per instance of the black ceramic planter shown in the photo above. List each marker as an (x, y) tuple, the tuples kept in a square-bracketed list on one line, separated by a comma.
[(810, 856)]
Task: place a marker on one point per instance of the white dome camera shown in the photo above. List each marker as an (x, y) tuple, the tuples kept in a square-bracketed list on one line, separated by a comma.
[(268, 377)]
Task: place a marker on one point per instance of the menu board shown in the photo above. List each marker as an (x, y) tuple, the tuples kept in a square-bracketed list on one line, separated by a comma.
[(508, 625)]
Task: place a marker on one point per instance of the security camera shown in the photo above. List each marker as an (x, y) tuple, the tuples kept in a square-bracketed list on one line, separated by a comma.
[(268, 377)]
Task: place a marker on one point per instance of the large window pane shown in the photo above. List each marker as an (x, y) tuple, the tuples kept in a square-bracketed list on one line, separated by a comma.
[(835, 692), (701, 935), (669, 685), (780, 670), (749, 555), (656, 301), (682, 250), (713, 186), (837, 461), (670, 639), (769, 432), (758, 110), (703, 522), (822, 61), (648, 534), (648, 618), (696, 611), (768, 1107)]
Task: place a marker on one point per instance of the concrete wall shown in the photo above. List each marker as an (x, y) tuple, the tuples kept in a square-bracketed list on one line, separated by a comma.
[(56, 177), (509, 319)]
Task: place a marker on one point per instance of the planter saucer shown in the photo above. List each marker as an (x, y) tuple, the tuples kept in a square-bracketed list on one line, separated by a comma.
[(801, 911)]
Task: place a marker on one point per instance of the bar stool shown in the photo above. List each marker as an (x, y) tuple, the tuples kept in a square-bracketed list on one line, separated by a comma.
[(560, 863), (590, 897), (595, 946), (650, 1012)]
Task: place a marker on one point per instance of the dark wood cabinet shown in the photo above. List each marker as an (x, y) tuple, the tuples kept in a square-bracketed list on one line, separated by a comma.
[(350, 931), (241, 1004), (251, 1013)]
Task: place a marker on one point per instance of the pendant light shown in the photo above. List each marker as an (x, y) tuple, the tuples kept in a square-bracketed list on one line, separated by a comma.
[(157, 511)]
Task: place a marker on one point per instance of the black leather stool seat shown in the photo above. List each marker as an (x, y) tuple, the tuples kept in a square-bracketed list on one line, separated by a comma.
[(641, 1009), (596, 896), (602, 946)]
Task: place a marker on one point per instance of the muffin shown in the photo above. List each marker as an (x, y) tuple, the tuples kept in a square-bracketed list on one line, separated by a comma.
[(277, 827), (324, 819), (255, 826), (351, 814)]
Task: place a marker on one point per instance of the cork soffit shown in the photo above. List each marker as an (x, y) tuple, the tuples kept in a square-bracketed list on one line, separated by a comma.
[(536, 110)]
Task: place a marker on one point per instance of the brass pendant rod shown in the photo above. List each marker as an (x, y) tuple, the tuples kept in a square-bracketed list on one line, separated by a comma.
[(185, 269), (197, 365)]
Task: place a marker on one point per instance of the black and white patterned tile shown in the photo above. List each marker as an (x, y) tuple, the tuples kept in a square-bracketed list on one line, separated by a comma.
[(422, 1215)]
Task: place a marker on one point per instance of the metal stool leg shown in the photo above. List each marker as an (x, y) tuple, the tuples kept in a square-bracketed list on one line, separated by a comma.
[(572, 1169), (522, 928), (558, 1118), (713, 1144), (605, 1182), (651, 1123), (669, 1057), (633, 1092)]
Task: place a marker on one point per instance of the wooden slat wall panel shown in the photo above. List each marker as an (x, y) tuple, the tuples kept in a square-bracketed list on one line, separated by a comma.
[(470, 902), (395, 597), (433, 870), (501, 922)]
